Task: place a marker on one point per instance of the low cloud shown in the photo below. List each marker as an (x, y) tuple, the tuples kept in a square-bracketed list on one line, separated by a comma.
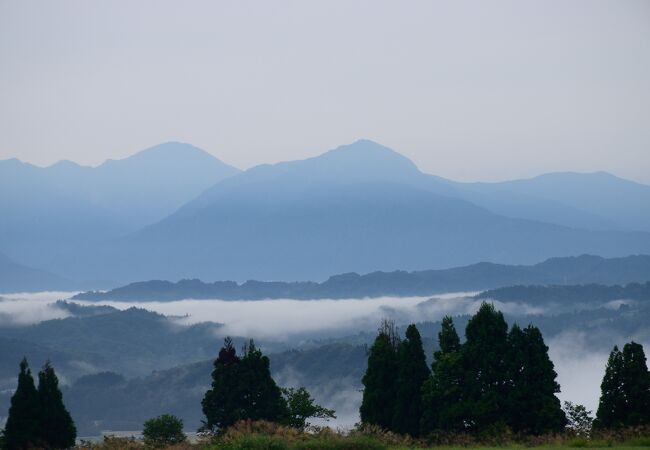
[(27, 309)]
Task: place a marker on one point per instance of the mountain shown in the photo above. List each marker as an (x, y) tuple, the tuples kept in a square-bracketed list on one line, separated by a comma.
[(133, 341), (358, 208), (569, 295), (583, 269), (595, 201), (16, 277), (61, 208)]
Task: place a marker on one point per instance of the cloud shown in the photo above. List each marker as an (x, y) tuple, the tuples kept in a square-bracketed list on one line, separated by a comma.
[(30, 308), (285, 318)]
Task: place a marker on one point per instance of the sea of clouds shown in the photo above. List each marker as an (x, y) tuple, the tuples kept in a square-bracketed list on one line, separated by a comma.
[(580, 368)]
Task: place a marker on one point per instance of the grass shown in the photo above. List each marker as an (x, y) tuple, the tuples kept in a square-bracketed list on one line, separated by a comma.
[(269, 436)]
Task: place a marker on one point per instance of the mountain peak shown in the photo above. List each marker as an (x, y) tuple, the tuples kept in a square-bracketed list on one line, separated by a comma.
[(362, 159), (168, 151)]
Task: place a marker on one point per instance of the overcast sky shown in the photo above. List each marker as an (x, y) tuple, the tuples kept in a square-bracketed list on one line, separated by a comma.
[(482, 90)]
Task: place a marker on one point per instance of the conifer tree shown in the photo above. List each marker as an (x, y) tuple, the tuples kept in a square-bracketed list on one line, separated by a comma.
[(242, 388), (22, 427), (636, 380), (262, 398), (379, 381), (412, 373), (221, 403), (625, 389), (56, 427), (448, 339), (611, 405), (533, 406), (442, 392), (484, 363)]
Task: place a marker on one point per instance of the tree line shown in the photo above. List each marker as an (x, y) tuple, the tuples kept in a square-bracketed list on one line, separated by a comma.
[(498, 379), (243, 389), (37, 416)]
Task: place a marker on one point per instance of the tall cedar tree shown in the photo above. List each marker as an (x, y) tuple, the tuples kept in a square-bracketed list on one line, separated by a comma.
[(22, 427), (484, 365), (533, 406), (625, 389), (379, 381), (411, 375), (56, 426), (221, 404), (442, 392), (242, 388), (262, 398), (611, 405)]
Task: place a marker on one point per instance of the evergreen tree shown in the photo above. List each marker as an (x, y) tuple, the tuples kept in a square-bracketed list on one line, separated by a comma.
[(22, 427), (221, 404), (448, 339), (242, 388), (412, 373), (611, 405), (262, 398), (442, 392), (533, 406), (625, 389), (484, 364), (636, 381), (378, 402), (56, 426)]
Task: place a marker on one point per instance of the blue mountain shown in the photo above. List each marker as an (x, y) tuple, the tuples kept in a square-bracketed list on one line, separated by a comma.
[(360, 207), (67, 207), (15, 277)]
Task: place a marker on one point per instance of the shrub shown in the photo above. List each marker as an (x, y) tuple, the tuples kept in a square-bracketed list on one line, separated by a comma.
[(163, 430)]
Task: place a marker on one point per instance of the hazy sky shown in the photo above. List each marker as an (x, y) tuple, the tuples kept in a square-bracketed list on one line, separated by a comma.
[(480, 90)]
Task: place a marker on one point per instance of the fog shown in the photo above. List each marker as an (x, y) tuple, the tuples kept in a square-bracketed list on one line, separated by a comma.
[(30, 308), (285, 318), (580, 365)]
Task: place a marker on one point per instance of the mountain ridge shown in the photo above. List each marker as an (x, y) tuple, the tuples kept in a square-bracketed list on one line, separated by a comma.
[(560, 271)]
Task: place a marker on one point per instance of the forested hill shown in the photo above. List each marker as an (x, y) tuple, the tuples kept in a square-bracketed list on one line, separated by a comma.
[(555, 271), (596, 293)]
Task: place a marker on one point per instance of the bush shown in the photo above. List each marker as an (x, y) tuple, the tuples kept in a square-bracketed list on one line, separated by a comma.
[(163, 430)]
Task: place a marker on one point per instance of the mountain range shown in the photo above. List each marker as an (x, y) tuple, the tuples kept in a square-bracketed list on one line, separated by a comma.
[(555, 271), (64, 207), (174, 211)]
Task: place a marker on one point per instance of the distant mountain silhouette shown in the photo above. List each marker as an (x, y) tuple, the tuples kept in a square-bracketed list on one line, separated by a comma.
[(57, 209), (555, 271), (16, 277), (358, 208), (175, 212), (594, 201)]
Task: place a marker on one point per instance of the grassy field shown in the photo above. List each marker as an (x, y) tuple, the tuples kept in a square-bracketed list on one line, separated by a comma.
[(269, 436)]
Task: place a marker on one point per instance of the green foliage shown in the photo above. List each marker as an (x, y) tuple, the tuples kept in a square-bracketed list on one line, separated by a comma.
[(242, 389), (379, 381), (625, 389), (494, 381), (412, 373), (221, 403), (533, 406), (485, 370), (579, 419), (448, 339), (22, 427), (442, 391), (38, 417), (56, 426), (302, 407), (163, 430)]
